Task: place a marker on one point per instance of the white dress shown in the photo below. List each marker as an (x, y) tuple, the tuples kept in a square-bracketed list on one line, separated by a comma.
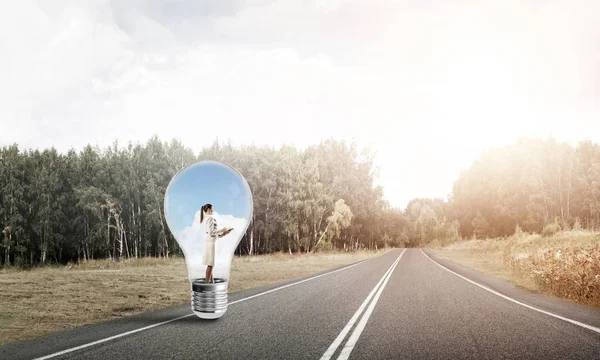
[(209, 241)]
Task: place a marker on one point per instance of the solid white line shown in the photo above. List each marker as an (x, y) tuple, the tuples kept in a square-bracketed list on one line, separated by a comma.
[(185, 316), (590, 327), (333, 347), (108, 338), (363, 321)]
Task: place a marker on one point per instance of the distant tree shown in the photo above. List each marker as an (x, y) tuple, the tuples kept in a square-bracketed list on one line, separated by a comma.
[(481, 227), (340, 218)]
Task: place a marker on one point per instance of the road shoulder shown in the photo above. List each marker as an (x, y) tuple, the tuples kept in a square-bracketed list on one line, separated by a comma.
[(583, 313)]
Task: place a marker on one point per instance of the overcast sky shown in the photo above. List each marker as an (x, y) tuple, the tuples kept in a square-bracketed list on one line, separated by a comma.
[(427, 85)]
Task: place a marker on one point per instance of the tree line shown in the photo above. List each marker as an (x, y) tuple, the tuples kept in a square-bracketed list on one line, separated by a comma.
[(533, 185), (108, 203)]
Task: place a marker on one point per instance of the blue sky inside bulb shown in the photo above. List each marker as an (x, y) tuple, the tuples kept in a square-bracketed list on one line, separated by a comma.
[(227, 190)]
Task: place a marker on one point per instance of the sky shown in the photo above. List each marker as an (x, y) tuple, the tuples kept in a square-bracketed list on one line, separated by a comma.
[(202, 183), (427, 84), (191, 240), (194, 186)]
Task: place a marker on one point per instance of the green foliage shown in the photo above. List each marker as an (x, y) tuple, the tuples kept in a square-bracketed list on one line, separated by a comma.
[(107, 203)]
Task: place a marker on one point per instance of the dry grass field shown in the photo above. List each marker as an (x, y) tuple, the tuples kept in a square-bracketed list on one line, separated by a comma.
[(566, 264), (44, 300)]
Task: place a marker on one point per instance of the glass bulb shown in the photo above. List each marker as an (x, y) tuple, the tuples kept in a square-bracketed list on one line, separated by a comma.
[(217, 184)]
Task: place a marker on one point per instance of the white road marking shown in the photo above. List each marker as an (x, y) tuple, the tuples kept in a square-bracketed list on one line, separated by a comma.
[(338, 340), (301, 281), (590, 327), (108, 339), (363, 321), (185, 316)]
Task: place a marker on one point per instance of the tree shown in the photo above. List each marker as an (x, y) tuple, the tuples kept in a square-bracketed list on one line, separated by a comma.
[(481, 227), (340, 218)]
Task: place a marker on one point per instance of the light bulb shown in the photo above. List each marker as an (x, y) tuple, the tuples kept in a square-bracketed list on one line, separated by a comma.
[(208, 182)]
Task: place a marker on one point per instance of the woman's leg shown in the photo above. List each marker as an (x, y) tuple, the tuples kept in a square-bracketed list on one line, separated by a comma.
[(208, 274)]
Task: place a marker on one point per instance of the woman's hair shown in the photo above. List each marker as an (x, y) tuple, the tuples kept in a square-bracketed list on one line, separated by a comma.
[(204, 208)]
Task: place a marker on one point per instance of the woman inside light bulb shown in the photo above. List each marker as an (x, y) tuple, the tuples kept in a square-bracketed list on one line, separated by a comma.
[(209, 242)]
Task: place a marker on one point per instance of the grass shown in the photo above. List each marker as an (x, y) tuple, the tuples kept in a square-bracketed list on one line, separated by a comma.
[(44, 300), (566, 264)]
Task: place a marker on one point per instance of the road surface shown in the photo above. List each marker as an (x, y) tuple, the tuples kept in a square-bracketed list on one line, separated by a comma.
[(404, 304)]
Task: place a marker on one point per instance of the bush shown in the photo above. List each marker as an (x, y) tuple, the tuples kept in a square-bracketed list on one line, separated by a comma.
[(577, 225), (481, 227), (519, 231), (324, 246), (570, 273), (550, 230)]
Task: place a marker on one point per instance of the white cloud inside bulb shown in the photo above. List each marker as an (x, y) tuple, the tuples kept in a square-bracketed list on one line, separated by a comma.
[(191, 240)]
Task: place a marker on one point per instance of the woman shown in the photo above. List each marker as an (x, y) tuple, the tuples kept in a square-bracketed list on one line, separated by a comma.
[(209, 242)]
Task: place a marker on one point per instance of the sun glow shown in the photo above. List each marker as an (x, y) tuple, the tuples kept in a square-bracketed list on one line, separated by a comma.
[(429, 86)]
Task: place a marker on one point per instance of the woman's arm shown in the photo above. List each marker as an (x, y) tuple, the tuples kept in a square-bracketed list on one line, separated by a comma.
[(211, 224), (223, 232)]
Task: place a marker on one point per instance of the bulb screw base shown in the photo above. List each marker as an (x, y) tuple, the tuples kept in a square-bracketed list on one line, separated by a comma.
[(209, 301)]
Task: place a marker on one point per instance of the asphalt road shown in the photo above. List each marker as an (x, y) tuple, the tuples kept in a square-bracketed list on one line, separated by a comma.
[(400, 305)]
